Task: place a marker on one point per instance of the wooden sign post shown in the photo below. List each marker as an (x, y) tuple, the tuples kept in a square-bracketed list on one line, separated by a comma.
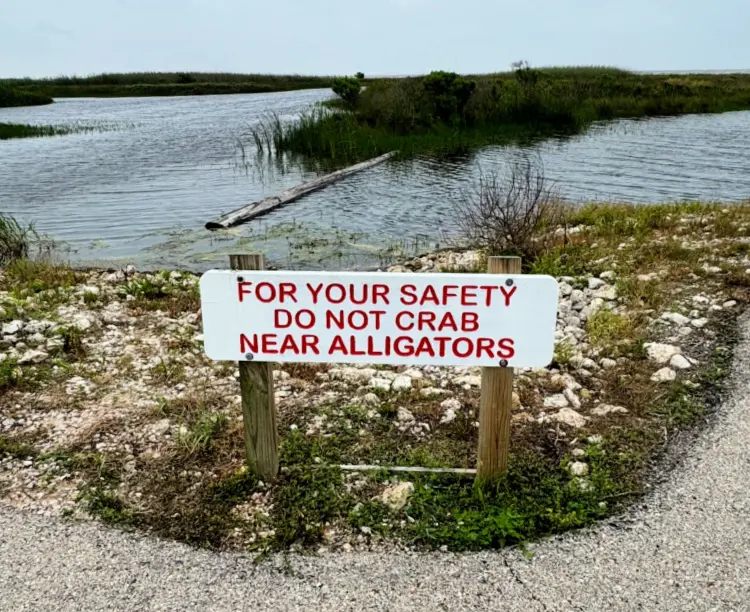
[(496, 400), (258, 401)]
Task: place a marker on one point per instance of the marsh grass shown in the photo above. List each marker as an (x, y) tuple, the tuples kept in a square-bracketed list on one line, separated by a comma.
[(15, 239), (163, 84), (445, 112), (19, 130), (13, 96)]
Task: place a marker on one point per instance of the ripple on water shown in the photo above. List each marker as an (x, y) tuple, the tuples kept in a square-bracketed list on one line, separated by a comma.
[(143, 192)]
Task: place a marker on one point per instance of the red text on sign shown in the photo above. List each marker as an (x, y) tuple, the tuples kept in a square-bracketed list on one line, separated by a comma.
[(338, 293), (268, 292), (268, 344)]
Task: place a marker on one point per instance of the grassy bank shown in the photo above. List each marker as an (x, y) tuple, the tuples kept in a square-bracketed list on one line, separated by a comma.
[(110, 408), (164, 84), (10, 96), (444, 111)]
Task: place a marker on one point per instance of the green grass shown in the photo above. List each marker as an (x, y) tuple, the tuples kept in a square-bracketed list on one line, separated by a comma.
[(24, 277), (444, 112), (164, 84), (19, 130), (13, 96), (14, 448), (201, 434), (606, 329), (15, 239)]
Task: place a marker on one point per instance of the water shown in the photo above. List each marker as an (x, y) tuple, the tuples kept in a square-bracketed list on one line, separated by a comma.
[(141, 190)]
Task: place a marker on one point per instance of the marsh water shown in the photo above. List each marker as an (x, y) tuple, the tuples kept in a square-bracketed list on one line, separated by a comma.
[(140, 187)]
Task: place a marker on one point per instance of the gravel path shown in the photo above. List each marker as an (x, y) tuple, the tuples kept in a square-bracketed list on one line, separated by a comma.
[(687, 548)]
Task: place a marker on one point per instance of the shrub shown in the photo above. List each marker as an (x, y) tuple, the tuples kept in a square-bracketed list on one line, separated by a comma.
[(449, 94), (348, 89), (511, 214)]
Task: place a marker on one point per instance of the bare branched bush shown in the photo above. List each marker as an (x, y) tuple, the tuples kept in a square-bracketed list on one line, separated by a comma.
[(511, 213)]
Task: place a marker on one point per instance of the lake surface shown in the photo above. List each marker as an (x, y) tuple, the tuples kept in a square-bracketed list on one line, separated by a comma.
[(141, 189)]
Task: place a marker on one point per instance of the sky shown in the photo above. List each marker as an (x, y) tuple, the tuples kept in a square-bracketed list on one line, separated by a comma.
[(378, 37)]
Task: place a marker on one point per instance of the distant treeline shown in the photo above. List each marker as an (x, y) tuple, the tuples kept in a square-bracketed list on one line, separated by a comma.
[(444, 111), (19, 97), (164, 84)]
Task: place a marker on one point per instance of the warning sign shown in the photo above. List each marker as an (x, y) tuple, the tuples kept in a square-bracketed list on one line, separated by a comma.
[(372, 317)]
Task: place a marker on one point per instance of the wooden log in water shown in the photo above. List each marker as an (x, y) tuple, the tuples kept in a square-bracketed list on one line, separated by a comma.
[(261, 207)]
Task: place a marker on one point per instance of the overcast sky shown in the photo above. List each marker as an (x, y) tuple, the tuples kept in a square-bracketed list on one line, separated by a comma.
[(378, 37)]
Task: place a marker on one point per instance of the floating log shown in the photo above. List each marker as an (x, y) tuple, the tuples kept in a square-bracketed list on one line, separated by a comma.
[(261, 207)]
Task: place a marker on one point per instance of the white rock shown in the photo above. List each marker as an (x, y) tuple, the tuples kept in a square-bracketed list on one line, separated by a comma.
[(414, 373), (596, 283), (607, 293), (82, 322), (660, 353), (578, 452), (605, 409), (9, 329), (33, 356), (401, 383), (699, 323), (35, 339), (676, 318), (380, 383), (569, 417), (55, 344), (729, 304), (608, 275), (579, 468), (711, 269), (38, 326), (701, 299), (396, 496), (451, 404), (472, 380), (608, 364), (577, 297), (161, 427), (570, 382), (645, 278), (679, 362), (353, 375), (565, 289), (448, 416), (589, 364), (555, 401), (370, 399), (404, 415), (572, 398), (664, 375), (430, 391), (92, 289)]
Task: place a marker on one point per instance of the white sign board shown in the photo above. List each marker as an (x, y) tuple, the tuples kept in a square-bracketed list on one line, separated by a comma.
[(372, 317)]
